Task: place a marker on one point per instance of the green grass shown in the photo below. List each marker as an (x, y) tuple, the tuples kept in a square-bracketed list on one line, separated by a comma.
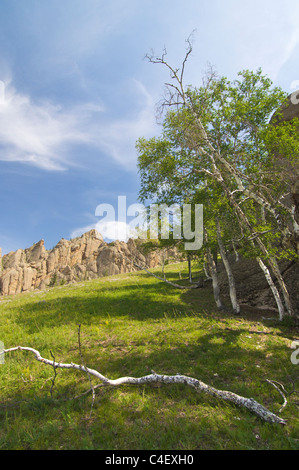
[(131, 324)]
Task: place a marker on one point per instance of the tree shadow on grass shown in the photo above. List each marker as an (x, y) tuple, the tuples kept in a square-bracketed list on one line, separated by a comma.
[(141, 302), (126, 416), (216, 356), (149, 302)]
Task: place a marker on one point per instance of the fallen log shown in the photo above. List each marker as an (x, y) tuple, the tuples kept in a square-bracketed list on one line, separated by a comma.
[(249, 403)]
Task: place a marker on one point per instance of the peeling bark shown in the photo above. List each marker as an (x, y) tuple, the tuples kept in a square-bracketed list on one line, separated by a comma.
[(249, 403)]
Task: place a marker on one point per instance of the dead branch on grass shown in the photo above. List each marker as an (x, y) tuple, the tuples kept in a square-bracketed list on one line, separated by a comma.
[(249, 403)]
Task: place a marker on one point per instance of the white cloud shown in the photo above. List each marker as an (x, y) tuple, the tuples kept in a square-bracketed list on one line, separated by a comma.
[(43, 134), (40, 133), (110, 231), (115, 230)]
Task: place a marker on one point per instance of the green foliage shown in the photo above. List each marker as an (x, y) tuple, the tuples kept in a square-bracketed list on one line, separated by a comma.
[(220, 140), (53, 280)]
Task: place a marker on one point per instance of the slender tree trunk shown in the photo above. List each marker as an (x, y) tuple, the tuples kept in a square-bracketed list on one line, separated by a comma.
[(190, 269), (214, 276), (287, 300), (273, 289), (215, 256), (272, 261), (163, 264), (235, 251), (206, 272), (229, 272)]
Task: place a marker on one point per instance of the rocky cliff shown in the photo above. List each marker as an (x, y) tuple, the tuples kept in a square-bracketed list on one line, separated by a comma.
[(82, 258)]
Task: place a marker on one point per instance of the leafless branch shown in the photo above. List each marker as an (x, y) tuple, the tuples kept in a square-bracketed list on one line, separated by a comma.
[(55, 375), (249, 403), (275, 385)]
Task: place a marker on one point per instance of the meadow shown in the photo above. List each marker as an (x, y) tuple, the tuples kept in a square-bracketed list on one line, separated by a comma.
[(130, 325)]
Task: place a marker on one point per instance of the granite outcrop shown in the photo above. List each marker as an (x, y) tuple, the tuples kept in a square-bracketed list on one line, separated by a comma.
[(82, 258)]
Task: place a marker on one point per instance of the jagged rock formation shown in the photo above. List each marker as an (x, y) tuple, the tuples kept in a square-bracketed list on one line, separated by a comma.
[(82, 258)]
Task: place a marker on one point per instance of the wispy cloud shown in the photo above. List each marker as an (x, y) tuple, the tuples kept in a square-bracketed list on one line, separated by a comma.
[(43, 134), (39, 133)]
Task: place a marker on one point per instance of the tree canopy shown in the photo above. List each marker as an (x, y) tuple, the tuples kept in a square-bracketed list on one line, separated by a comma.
[(218, 147)]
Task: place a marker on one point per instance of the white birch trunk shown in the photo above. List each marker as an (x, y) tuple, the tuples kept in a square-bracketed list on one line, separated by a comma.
[(214, 276), (236, 252), (208, 277), (229, 272), (273, 289), (287, 300), (189, 270)]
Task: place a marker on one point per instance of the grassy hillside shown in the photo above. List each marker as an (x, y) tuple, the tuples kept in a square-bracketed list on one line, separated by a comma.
[(132, 324)]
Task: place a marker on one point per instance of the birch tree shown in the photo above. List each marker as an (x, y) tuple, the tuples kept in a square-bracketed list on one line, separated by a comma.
[(220, 134)]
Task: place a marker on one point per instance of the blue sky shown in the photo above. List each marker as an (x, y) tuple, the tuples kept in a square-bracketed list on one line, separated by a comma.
[(76, 93)]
